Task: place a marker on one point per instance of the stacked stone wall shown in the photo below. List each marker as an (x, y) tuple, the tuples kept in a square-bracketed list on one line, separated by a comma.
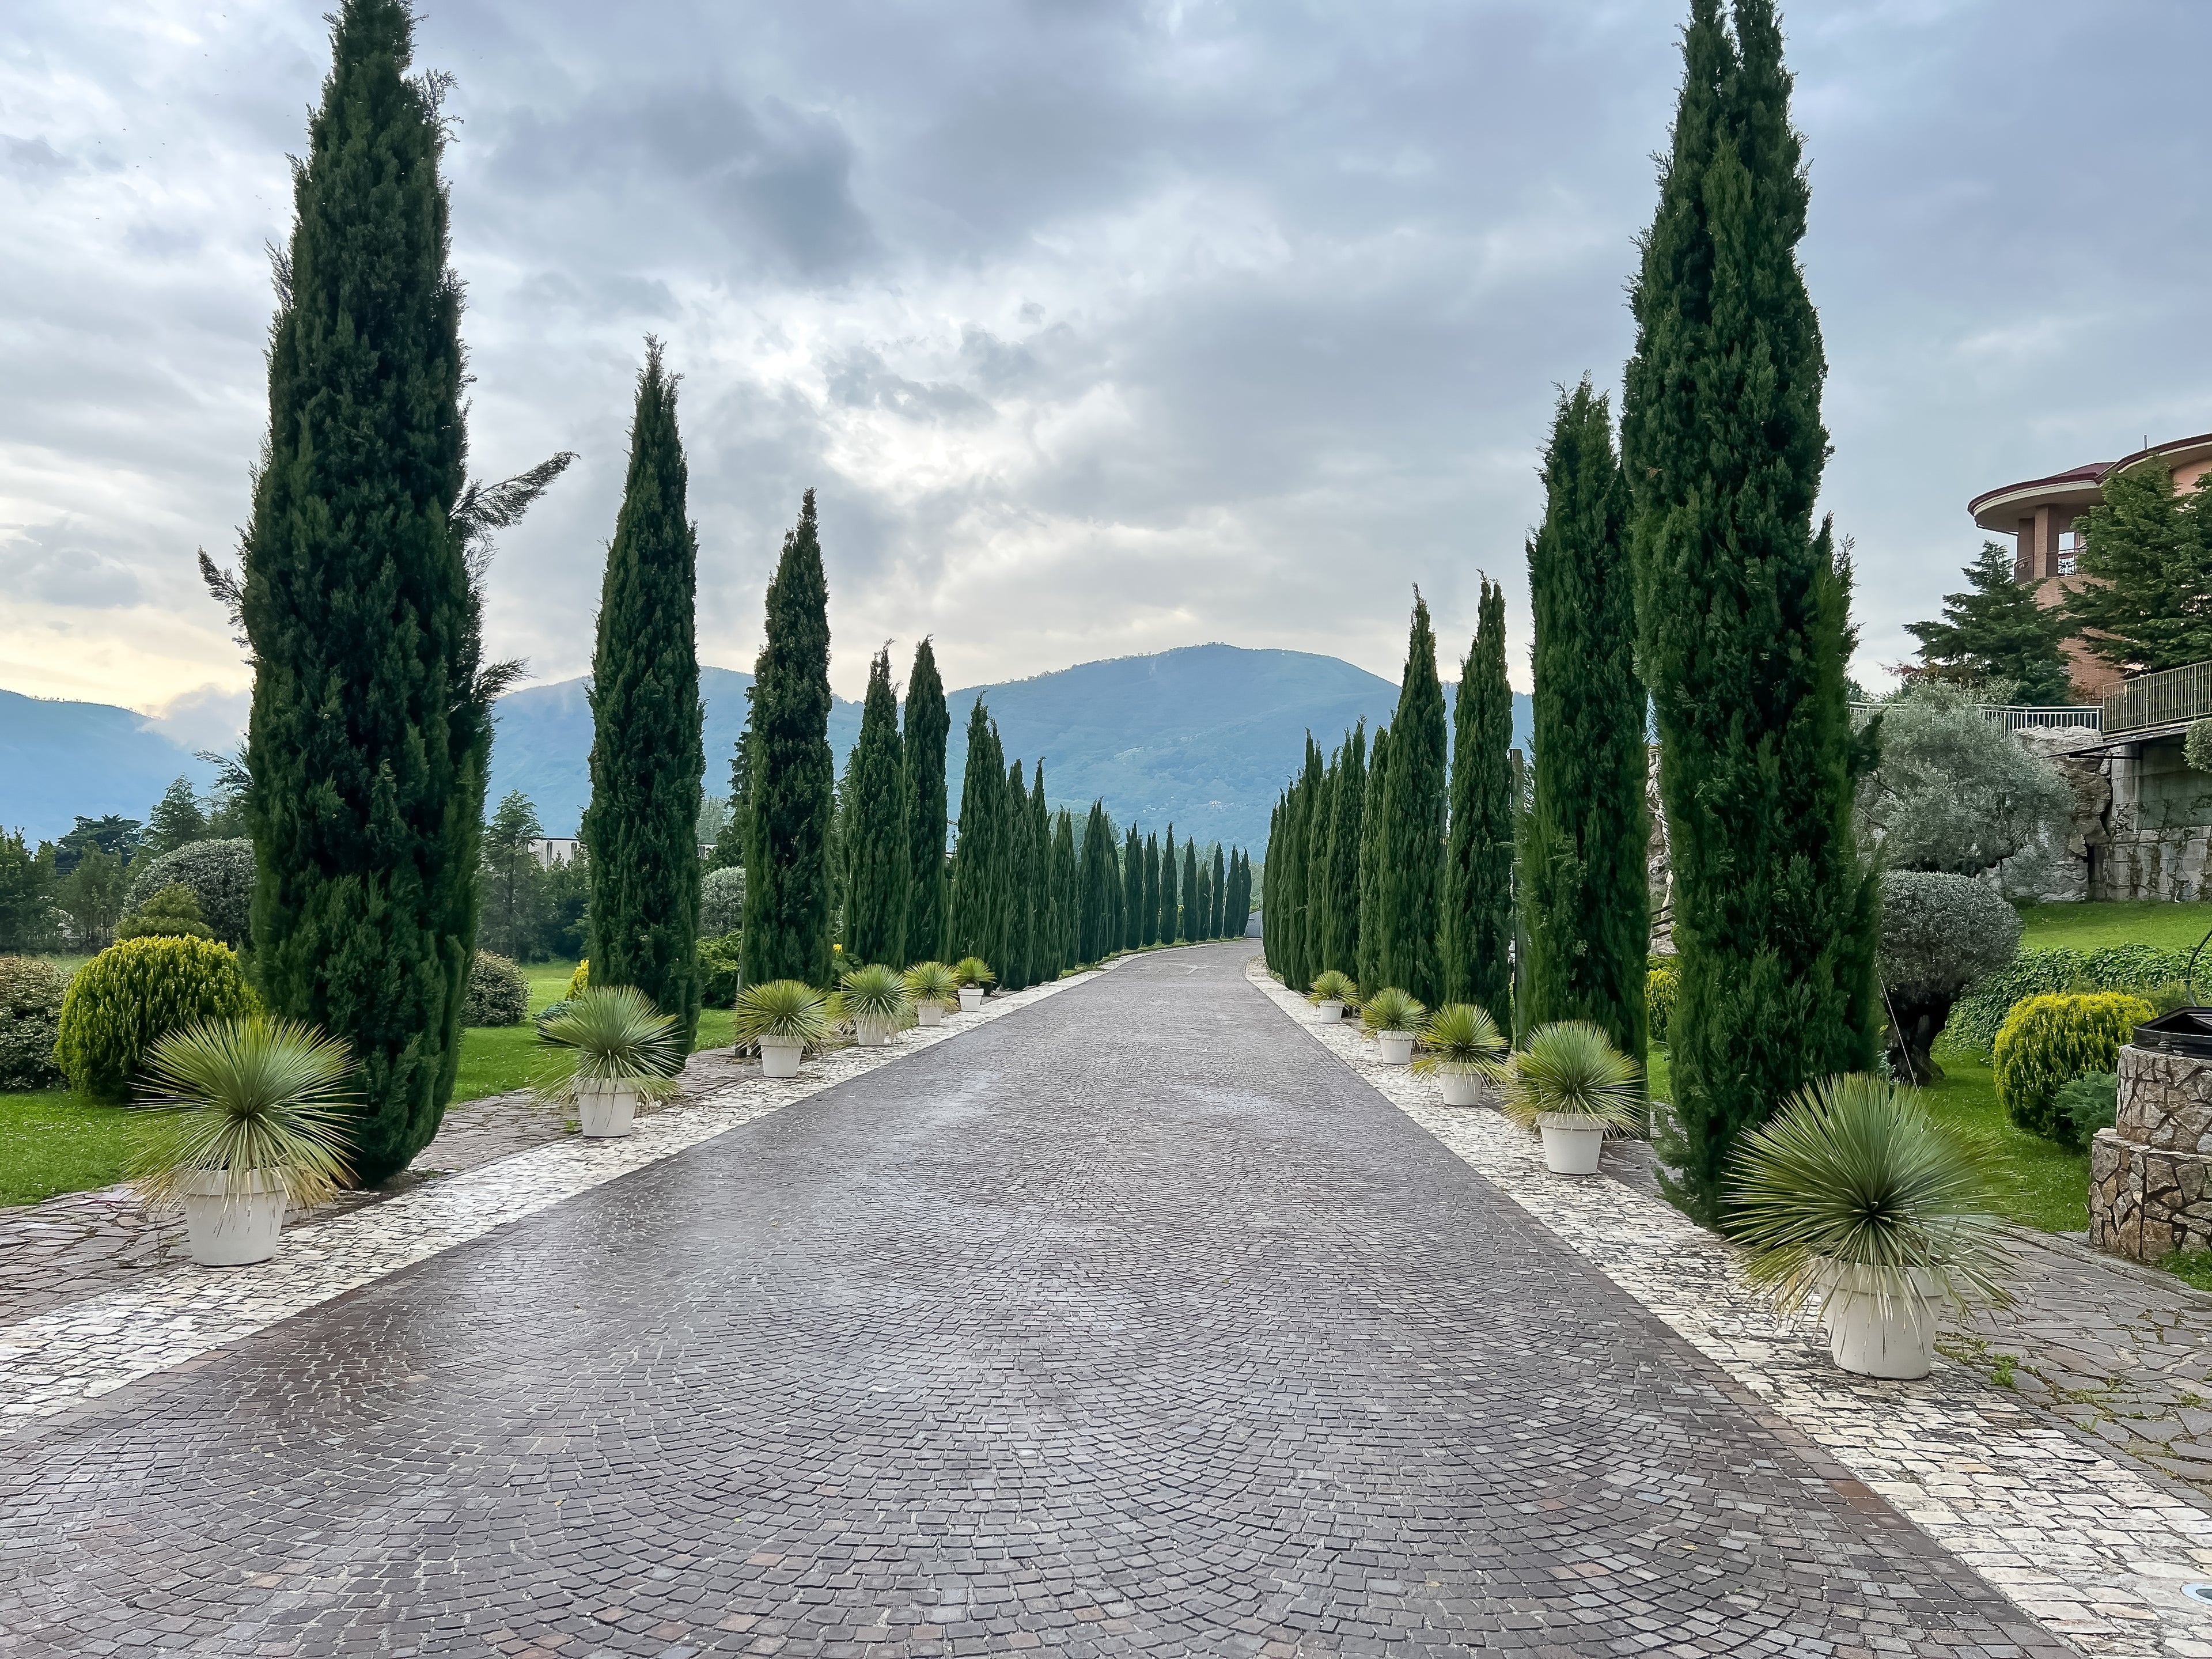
[(2150, 1174)]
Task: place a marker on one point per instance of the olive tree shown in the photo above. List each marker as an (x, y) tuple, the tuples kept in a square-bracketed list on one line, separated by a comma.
[(1940, 932), (1953, 790)]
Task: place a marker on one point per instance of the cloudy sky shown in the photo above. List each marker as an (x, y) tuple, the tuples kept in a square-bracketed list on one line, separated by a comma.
[(1100, 327)]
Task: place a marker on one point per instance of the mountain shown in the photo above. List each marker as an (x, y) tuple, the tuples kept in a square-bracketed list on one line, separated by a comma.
[(61, 761)]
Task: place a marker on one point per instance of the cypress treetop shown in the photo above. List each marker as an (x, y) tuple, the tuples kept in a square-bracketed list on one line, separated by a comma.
[(1374, 917), (880, 854), (979, 862), (1340, 942), (1171, 910), (1192, 897), (1413, 819), (928, 723), (1477, 934), (1149, 901)]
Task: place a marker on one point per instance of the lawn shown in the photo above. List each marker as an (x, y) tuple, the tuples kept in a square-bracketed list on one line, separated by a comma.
[(2098, 927), (52, 1142)]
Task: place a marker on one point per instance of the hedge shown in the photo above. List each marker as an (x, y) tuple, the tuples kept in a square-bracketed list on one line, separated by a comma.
[(1979, 1012)]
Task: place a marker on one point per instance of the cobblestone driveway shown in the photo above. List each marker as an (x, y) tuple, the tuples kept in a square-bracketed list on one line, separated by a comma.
[(1132, 1322)]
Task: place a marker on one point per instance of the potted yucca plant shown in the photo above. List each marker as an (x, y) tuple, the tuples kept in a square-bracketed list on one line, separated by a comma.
[(1331, 991), (256, 1117), (935, 990), (1572, 1085), (975, 976), (1394, 1019), (1461, 1047), (783, 1017), (877, 1001), (1855, 1194), (611, 1049)]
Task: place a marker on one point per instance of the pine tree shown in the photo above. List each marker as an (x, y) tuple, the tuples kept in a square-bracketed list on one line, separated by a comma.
[(1476, 941), (794, 780), (2147, 555), (1743, 615), (1340, 943), (371, 723), (1217, 926), (1413, 819), (879, 853), (1997, 631), (1189, 889), (1148, 904), (1132, 890), (646, 764), (1374, 887), (730, 845), (512, 881), (978, 861), (928, 723), (1585, 898), (176, 820)]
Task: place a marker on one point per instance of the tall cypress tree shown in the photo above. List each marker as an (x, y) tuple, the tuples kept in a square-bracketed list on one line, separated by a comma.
[(978, 860), (1148, 904), (1191, 896), (880, 855), (1585, 903), (1321, 919), (1044, 956), (1132, 889), (1270, 945), (370, 722), (1217, 913), (1170, 911), (1340, 944), (1476, 942), (643, 824), (1743, 614), (1413, 819), (1299, 814), (794, 784), (1373, 888), (1097, 909), (922, 760), (1064, 891), (1020, 881)]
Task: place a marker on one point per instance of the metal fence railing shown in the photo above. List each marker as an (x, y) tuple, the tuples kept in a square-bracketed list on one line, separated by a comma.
[(2165, 698), (2017, 717)]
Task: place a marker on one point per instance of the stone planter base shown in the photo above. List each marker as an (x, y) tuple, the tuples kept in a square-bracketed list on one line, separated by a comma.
[(2146, 1203)]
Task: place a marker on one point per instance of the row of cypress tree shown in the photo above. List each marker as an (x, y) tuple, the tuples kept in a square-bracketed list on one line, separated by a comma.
[(1683, 581)]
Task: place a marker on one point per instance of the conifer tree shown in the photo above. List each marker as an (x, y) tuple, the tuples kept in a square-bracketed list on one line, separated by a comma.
[(880, 855), (1997, 631), (1414, 820), (1374, 890), (737, 823), (371, 724), (794, 781), (979, 861), (1014, 884), (2147, 552), (1201, 927), (643, 821), (1585, 896), (1270, 942), (1096, 876), (1339, 946), (1216, 913), (1321, 920), (1477, 936), (1149, 902), (927, 722), (1743, 614), (1191, 896), (1044, 950), (1171, 912), (1064, 891), (1300, 813), (176, 821), (1132, 889)]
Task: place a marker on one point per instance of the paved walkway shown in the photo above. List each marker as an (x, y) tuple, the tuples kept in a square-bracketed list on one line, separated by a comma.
[(1132, 1322)]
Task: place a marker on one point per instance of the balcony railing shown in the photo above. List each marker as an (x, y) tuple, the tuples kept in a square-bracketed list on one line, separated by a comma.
[(2019, 717), (2168, 697)]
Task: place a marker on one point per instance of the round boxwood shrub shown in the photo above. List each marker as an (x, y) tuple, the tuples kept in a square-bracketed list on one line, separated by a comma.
[(1661, 986), (2049, 1041), (721, 902), (220, 874), (132, 994), (31, 993), (1939, 934), (497, 995)]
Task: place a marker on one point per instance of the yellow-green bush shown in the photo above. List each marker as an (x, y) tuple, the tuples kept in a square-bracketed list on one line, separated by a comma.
[(2046, 1041), (578, 980), (1660, 985), (132, 994)]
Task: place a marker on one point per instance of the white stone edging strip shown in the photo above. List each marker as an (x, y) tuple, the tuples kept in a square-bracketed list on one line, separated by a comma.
[(2087, 1546), (84, 1349)]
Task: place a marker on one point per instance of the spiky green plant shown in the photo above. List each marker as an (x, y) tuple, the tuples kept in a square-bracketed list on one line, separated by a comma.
[(1392, 1009), (247, 1095), (875, 994), (1330, 986), (1854, 1171), (1571, 1069), (610, 1033), (1462, 1038), (973, 970), (932, 981), (781, 1008)]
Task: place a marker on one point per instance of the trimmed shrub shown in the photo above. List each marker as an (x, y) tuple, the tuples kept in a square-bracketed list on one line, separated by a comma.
[(1939, 933), (1661, 985), (220, 874), (720, 966), (172, 913), (132, 994), (2140, 968), (2049, 1041), (497, 995), (31, 995), (722, 906), (2089, 1103), (578, 982)]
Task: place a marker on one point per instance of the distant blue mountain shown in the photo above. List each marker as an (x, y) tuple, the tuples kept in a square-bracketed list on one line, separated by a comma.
[(62, 761)]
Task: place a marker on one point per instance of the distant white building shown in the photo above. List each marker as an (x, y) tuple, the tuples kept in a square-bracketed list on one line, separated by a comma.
[(550, 850)]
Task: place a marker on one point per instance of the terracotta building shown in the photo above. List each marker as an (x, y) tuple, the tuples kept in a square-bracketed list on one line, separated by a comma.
[(2040, 515)]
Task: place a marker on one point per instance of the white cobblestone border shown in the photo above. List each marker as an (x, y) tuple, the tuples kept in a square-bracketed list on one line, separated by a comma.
[(2086, 1547), (85, 1349)]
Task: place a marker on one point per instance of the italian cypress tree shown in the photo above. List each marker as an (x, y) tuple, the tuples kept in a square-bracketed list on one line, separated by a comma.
[(1322, 921), (794, 782), (1191, 896), (1338, 945), (1148, 906), (643, 824), (371, 722), (1269, 950), (1132, 890), (1743, 614), (1201, 928), (1098, 876), (1585, 901), (1241, 917), (880, 854), (1170, 911), (1044, 963), (979, 859), (1216, 915), (1374, 887), (1064, 891), (1297, 870), (1015, 883), (927, 722), (1478, 878), (1414, 820)]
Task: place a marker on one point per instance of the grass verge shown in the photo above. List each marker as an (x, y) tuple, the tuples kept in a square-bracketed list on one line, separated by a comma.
[(2107, 923), (51, 1143)]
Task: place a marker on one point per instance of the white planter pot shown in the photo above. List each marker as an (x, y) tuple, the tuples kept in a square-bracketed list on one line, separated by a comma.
[(1462, 1088), (872, 1034), (780, 1056), (1866, 1336), (971, 998), (1397, 1047), (1571, 1143), (606, 1111), (232, 1219), (1331, 1011), (929, 1013)]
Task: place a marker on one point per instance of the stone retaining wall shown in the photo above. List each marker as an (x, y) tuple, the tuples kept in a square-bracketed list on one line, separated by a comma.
[(2150, 1174)]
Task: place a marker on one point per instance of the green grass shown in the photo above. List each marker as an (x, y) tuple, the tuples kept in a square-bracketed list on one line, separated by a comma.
[(2096, 926), (50, 1142)]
